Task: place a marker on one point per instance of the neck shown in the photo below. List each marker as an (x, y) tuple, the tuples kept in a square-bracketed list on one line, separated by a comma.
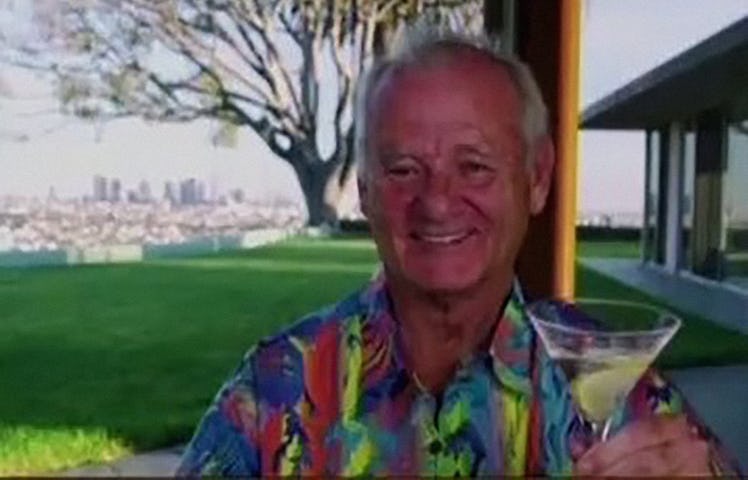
[(440, 329)]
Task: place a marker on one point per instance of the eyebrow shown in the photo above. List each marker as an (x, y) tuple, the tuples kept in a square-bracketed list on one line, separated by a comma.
[(394, 155), (481, 149)]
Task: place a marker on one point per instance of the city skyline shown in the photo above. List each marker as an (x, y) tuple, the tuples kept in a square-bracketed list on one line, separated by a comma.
[(63, 153)]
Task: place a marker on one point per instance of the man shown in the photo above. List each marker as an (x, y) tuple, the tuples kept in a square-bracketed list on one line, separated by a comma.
[(433, 369)]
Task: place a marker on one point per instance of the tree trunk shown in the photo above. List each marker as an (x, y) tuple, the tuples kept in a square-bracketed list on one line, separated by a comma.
[(320, 213), (316, 181)]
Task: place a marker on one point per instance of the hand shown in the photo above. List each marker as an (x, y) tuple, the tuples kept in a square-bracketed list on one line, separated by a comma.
[(660, 446)]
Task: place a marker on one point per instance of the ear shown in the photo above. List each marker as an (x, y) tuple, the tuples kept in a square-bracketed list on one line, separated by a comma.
[(541, 174)]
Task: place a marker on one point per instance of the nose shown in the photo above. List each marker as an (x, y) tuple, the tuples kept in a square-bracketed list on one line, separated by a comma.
[(436, 197)]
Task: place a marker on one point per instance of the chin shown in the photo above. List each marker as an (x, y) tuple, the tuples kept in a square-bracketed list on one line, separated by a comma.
[(444, 280)]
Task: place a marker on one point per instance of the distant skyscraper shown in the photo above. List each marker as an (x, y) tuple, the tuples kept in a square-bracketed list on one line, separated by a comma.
[(170, 193), (200, 193), (213, 189), (115, 190), (144, 192), (99, 189), (237, 195), (188, 192)]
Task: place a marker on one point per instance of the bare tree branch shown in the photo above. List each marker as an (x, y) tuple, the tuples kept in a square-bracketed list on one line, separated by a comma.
[(263, 64)]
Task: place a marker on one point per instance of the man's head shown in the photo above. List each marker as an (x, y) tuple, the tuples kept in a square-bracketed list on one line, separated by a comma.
[(455, 157)]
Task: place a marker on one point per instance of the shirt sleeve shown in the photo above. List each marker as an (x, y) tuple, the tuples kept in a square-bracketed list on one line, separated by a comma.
[(655, 394), (226, 442)]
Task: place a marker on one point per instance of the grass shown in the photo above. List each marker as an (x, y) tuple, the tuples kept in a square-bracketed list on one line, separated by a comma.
[(698, 343), (101, 361), (127, 357), (610, 249), (22, 448)]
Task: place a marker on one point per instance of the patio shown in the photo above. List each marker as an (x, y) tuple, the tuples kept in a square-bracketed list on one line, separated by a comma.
[(725, 304)]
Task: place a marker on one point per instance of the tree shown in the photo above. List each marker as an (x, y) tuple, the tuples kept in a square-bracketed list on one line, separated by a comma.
[(262, 64)]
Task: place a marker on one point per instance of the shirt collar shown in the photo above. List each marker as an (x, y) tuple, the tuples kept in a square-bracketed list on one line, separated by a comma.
[(511, 346)]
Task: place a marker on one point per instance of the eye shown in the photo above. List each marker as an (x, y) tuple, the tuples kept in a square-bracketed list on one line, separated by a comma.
[(405, 170), (476, 168)]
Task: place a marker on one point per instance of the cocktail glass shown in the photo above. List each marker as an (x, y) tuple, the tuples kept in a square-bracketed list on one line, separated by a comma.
[(603, 347)]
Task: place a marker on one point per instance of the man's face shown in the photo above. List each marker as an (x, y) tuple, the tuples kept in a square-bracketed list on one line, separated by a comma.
[(448, 193)]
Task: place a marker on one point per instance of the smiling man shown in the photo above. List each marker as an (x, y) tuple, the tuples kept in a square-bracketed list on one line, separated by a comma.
[(433, 368)]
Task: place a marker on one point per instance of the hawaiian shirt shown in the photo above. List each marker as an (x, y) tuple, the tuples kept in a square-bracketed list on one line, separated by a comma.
[(331, 395)]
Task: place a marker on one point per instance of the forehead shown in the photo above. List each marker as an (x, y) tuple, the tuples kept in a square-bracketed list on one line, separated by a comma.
[(469, 90)]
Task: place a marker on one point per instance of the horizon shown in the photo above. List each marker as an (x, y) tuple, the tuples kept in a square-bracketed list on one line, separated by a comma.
[(134, 150)]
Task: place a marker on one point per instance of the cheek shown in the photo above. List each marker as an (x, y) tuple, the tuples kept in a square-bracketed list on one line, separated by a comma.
[(502, 209), (496, 205), (393, 206)]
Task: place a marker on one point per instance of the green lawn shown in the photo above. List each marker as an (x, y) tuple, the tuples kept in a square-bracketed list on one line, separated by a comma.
[(698, 343), (97, 362), (611, 249)]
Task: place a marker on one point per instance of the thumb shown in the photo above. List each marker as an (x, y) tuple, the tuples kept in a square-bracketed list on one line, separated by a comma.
[(578, 448)]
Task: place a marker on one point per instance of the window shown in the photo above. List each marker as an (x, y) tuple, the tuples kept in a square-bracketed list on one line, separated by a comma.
[(654, 203), (706, 236), (687, 196), (734, 241)]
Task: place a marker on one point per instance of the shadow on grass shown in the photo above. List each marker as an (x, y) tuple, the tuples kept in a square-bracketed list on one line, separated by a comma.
[(136, 352)]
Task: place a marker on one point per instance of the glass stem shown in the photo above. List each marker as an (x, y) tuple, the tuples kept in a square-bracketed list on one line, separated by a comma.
[(601, 430)]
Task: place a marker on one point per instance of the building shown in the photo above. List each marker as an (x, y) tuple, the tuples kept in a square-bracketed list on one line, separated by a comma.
[(144, 192), (100, 191), (115, 190), (188, 192), (200, 193), (170, 193), (694, 110)]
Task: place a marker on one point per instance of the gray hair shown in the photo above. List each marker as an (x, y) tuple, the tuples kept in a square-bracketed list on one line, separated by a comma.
[(413, 44)]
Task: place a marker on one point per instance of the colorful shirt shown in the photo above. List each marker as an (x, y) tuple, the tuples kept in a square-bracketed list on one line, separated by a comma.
[(332, 396)]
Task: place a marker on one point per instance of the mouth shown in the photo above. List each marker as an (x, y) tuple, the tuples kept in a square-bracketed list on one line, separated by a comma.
[(443, 238)]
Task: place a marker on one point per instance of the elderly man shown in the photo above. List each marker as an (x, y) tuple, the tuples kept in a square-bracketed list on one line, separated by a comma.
[(433, 369)]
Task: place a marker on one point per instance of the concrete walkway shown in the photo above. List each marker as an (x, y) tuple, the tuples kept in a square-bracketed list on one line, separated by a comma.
[(726, 305), (718, 394), (720, 397), (161, 463)]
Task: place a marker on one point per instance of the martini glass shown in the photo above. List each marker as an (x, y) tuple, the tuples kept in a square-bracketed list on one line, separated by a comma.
[(603, 347)]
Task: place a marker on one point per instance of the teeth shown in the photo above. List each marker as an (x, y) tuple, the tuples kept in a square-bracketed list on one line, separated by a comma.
[(443, 239)]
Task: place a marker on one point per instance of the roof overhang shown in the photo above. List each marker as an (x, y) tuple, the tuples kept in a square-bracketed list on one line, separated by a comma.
[(712, 74)]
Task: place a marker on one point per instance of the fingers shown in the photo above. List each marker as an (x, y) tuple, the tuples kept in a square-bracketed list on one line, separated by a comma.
[(640, 435), (698, 463), (682, 457), (577, 450)]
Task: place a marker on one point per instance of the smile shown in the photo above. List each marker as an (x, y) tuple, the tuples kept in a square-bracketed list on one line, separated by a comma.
[(443, 238)]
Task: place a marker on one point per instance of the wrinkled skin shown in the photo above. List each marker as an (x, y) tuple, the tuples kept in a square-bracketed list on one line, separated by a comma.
[(662, 446), (449, 191)]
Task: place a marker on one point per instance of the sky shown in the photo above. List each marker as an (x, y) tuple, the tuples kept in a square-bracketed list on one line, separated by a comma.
[(620, 41)]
